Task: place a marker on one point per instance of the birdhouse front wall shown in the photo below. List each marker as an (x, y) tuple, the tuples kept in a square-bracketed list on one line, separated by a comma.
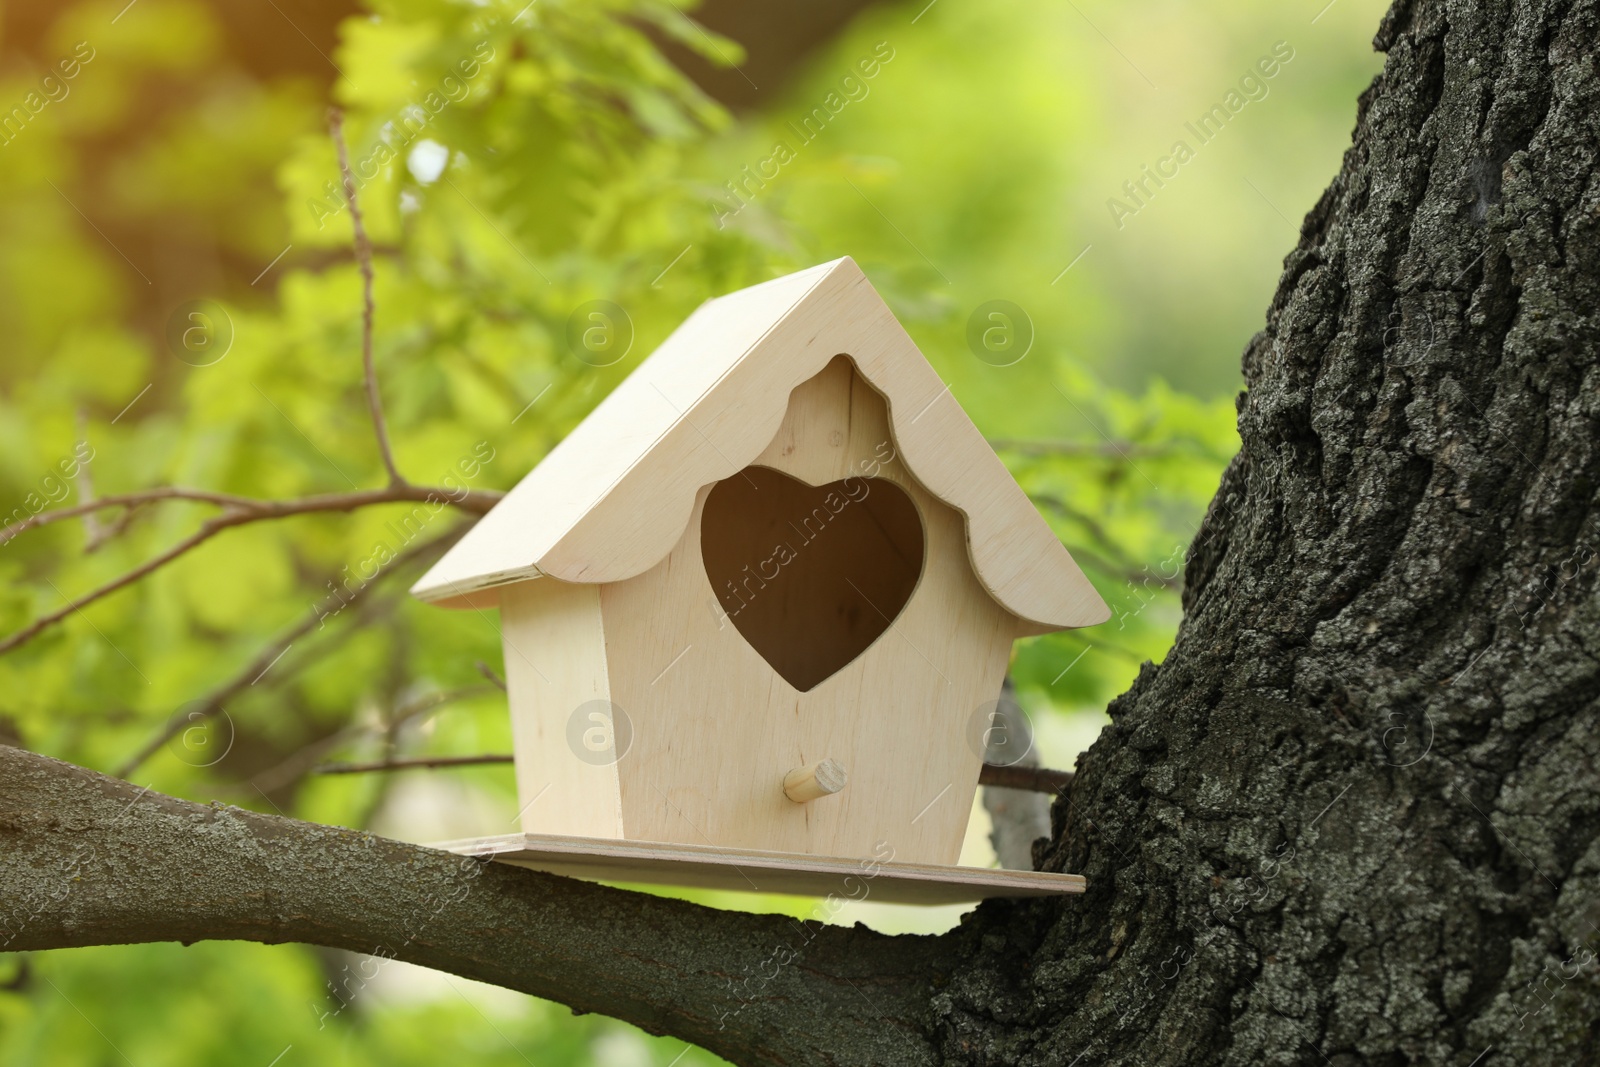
[(733, 660)]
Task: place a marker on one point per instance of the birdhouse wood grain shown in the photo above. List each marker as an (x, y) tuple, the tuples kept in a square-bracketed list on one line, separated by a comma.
[(759, 598)]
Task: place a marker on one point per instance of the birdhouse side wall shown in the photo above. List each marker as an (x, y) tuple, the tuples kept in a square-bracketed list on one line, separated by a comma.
[(564, 735)]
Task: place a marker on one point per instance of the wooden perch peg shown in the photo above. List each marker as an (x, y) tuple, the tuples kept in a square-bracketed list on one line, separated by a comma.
[(815, 780)]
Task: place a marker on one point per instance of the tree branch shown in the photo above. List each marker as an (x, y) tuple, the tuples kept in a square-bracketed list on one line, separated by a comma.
[(489, 673), (213, 702), (94, 533), (1030, 779), (412, 763), (240, 510), (235, 514), (476, 501), (149, 566), (1099, 449), (95, 861), (304, 760), (1115, 560), (364, 260)]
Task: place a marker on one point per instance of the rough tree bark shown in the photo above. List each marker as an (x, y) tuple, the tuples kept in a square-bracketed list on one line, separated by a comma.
[(1353, 817)]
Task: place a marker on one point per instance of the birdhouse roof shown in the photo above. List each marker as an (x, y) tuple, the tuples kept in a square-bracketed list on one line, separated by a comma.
[(612, 499)]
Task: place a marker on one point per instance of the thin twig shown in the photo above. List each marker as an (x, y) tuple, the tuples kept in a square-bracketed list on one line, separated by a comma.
[(1033, 779), (364, 260), (238, 515), (411, 763), (95, 533), (1083, 518), (155, 563), (1114, 560), (119, 500), (110, 531), (476, 501), (489, 673), (1096, 449), (303, 761), (213, 702)]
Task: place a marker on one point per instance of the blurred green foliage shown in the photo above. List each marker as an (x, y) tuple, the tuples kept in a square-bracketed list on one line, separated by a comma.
[(515, 162)]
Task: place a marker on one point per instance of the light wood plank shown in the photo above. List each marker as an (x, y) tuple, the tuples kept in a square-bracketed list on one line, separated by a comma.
[(887, 880)]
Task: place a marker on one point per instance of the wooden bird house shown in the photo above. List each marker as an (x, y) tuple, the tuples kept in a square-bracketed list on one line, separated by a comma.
[(763, 596)]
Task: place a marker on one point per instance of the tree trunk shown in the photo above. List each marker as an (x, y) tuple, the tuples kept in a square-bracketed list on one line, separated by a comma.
[(1353, 818)]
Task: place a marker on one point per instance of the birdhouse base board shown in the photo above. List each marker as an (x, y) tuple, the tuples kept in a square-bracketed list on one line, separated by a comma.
[(757, 871)]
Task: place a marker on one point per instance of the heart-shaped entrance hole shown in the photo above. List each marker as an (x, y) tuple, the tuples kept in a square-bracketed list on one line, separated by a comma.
[(810, 575)]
